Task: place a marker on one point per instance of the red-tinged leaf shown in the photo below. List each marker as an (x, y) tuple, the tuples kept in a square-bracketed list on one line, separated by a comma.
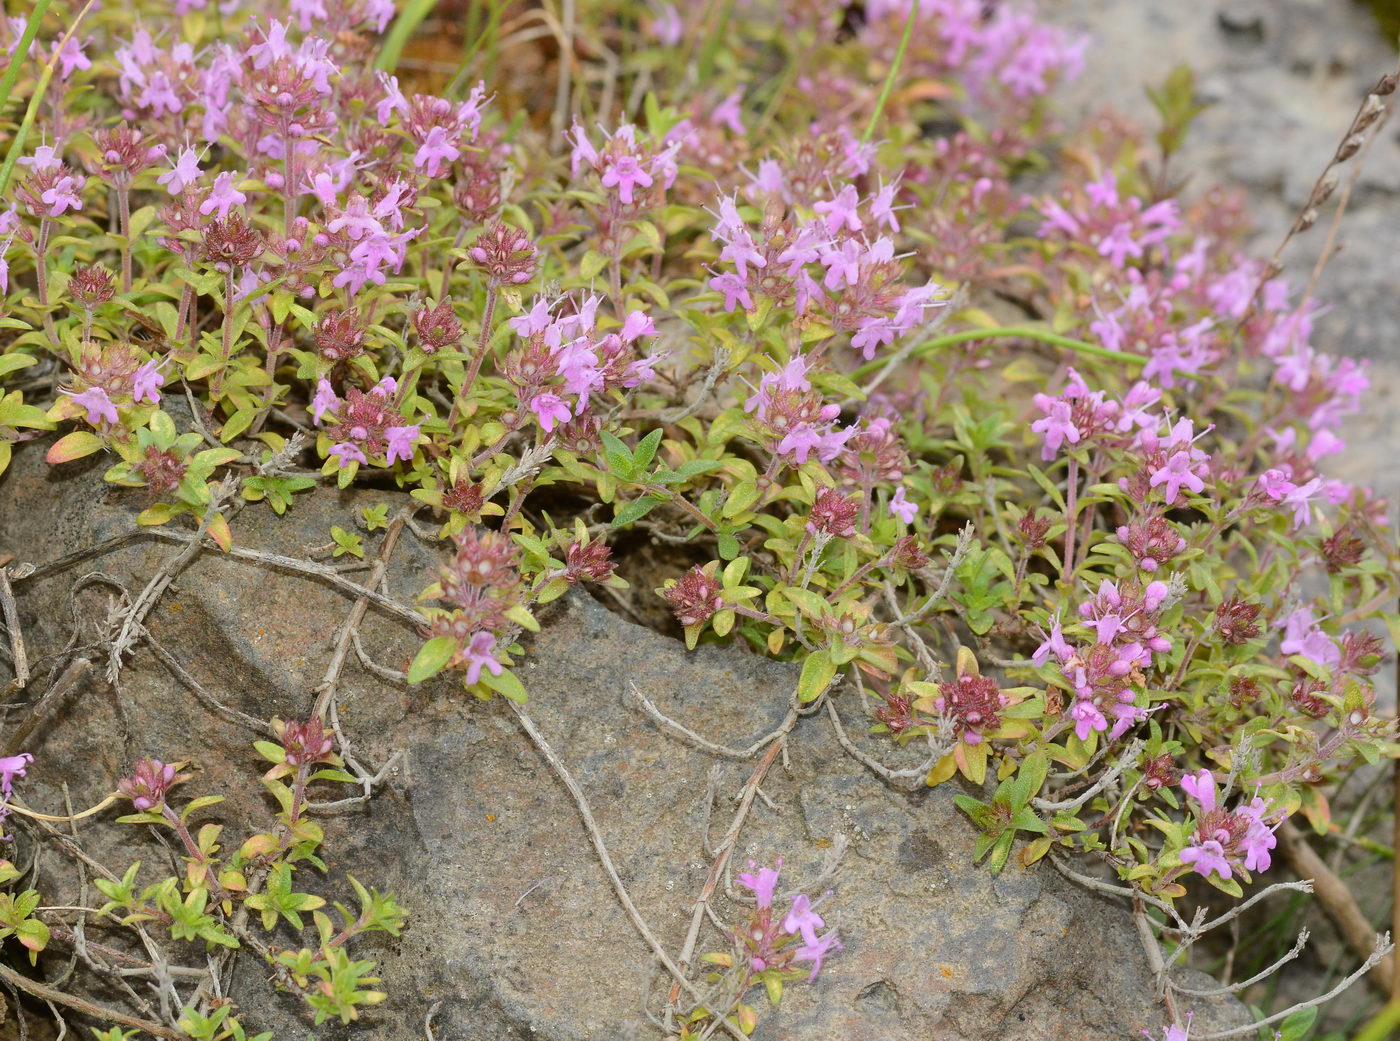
[(220, 533), (748, 1018), (76, 445)]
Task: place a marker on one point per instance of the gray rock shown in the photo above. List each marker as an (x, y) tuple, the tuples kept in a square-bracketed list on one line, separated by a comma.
[(514, 926)]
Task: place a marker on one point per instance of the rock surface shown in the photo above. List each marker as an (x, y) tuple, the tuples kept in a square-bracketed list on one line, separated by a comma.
[(514, 926)]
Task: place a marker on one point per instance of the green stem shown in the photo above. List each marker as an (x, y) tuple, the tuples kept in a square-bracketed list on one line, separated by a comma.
[(1071, 520), (124, 213), (894, 71), (409, 19), (218, 383), (20, 53), (1010, 332)]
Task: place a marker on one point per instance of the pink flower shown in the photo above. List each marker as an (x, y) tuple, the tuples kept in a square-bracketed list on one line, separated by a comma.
[(436, 149), (902, 508), (146, 383), (549, 409), (347, 452), (666, 25), (1125, 717), (624, 173), (1260, 839), (763, 883), (728, 113), (273, 47), (1174, 1032), (739, 248), (324, 401), (802, 919), (842, 264), (1201, 787), (1139, 399), (401, 441), (583, 150), (816, 952), (1299, 498), (1054, 644), (1302, 636), (183, 173), (222, 197), (1176, 473), (1056, 427), (63, 196), (534, 321), (393, 100), (638, 324), (735, 290), (480, 654), (841, 211), (1207, 858), (99, 406), (801, 440), (45, 157), (1275, 484), (882, 206), (10, 768), (1087, 718)]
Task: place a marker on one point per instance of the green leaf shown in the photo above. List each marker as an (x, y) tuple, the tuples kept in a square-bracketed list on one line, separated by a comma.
[(645, 451), (741, 497), (1000, 852), (1030, 776), (1297, 1026), (616, 454), (11, 362), (817, 673), (271, 751), (237, 423), (432, 658), (635, 510), (809, 603), (347, 542), (592, 263), (507, 684)]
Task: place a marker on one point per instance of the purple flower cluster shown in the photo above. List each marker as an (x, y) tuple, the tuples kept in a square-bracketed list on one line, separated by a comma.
[(567, 356), (835, 265), (769, 937), (1123, 618), (1226, 840), (363, 425)]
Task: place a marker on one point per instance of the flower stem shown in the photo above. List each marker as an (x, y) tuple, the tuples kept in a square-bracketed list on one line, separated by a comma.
[(289, 161), (228, 333), (1071, 518), (1010, 332), (41, 276), (483, 338), (124, 212)]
